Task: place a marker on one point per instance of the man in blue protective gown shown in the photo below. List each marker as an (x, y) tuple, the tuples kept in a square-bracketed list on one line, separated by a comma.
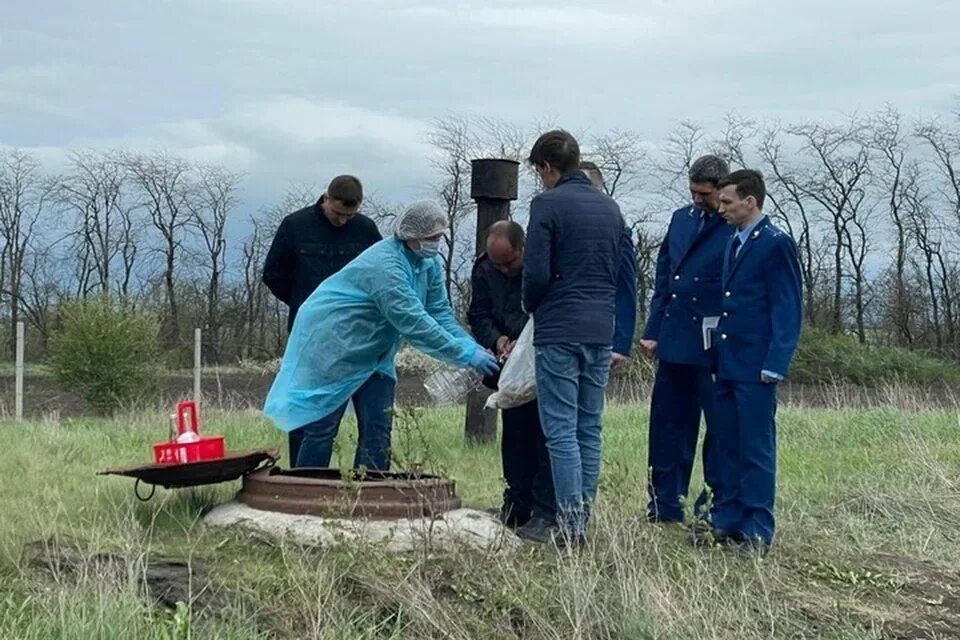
[(760, 321), (346, 335), (686, 296)]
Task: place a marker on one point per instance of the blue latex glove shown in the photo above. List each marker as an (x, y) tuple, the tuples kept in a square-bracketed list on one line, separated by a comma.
[(483, 362)]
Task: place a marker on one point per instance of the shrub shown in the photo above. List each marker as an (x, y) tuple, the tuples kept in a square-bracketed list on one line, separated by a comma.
[(105, 353), (824, 357)]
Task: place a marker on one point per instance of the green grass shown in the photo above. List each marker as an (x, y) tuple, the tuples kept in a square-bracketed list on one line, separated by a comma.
[(868, 543)]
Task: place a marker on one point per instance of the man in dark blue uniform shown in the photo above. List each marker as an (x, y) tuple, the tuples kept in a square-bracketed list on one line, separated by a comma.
[(496, 319), (686, 299), (760, 321)]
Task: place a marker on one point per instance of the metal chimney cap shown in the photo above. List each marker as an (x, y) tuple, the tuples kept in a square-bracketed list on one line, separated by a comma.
[(494, 178)]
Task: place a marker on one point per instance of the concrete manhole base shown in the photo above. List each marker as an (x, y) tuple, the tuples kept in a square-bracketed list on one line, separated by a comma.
[(453, 530)]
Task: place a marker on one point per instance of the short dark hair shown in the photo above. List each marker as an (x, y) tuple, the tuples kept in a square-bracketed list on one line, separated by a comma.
[(709, 168), (748, 183), (557, 148), (508, 229), (593, 172), (346, 189)]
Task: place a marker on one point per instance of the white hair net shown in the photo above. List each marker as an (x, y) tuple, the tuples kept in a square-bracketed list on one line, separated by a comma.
[(420, 220)]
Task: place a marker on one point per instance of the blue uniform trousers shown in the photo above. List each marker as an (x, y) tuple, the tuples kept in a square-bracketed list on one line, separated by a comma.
[(745, 439), (681, 392)]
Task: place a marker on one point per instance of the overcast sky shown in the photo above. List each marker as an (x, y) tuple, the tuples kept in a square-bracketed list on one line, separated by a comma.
[(298, 90)]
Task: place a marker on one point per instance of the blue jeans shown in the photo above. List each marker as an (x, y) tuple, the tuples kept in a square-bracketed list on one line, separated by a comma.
[(571, 380), (312, 445)]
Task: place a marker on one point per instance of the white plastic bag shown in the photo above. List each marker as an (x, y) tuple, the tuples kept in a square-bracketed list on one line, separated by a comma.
[(518, 379)]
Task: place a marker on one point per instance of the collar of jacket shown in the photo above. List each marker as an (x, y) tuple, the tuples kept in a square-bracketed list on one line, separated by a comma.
[(484, 262), (574, 175), (318, 207)]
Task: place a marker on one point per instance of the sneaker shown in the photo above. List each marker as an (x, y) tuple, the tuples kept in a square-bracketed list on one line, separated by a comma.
[(537, 530)]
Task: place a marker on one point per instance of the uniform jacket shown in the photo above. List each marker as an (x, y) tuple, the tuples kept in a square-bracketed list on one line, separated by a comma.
[(687, 286), (762, 306)]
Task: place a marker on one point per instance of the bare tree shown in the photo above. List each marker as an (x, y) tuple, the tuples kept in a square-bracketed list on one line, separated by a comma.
[(835, 177), (41, 292), (24, 196), (621, 157), (897, 177), (924, 228), (737, 132), (679, 153), (163, 183), (215, 197), (254, 297), (945, 145), (789, 208), (451, 138), (93, 192)]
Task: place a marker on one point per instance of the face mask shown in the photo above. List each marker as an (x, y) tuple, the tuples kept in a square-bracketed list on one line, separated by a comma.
[(428, 249)]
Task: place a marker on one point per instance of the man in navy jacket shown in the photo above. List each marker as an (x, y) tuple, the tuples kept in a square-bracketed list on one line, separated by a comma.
[(686, 295), (570, 270), (762, 310)]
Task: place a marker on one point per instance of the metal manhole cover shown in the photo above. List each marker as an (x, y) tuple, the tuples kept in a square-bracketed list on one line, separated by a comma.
[(378, 495)]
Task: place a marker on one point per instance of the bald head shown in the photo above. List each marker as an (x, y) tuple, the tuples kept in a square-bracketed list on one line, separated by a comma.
[(592, 171), (505, 246)]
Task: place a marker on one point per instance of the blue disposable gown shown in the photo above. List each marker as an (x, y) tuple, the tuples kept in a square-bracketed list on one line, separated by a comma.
[(351, 326)]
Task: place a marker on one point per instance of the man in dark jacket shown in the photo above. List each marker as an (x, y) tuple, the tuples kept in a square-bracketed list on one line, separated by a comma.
[(311, 245), (317, 241), (569, 284), (496, 319), (686, 295)]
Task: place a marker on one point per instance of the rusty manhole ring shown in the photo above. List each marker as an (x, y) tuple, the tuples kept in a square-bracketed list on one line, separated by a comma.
[(378, 495)]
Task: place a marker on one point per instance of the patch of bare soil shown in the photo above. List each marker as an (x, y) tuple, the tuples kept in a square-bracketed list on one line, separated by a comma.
[(166, 581), (900, 598)]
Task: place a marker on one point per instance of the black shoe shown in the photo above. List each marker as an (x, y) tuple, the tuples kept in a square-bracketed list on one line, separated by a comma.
[(754, 549), (537, 530), (703, 535), (655, 519)]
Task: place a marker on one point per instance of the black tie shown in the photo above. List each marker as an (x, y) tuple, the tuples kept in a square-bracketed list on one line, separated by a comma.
[(733, 250)]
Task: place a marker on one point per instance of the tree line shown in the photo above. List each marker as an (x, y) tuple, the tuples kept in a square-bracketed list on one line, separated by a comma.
[(872, 200)]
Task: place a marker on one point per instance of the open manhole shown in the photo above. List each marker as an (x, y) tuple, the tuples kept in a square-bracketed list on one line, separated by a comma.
[(377, 495)]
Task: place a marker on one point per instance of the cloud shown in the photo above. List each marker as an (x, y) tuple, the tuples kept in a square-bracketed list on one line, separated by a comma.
[(299, 90)]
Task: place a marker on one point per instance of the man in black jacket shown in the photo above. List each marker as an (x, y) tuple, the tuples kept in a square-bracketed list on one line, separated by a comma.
[(570, 272), (496, 319), (317, 241), (311, 245)]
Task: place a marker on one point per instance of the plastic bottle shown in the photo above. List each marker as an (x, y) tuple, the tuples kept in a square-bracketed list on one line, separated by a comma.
[(449, 385)]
